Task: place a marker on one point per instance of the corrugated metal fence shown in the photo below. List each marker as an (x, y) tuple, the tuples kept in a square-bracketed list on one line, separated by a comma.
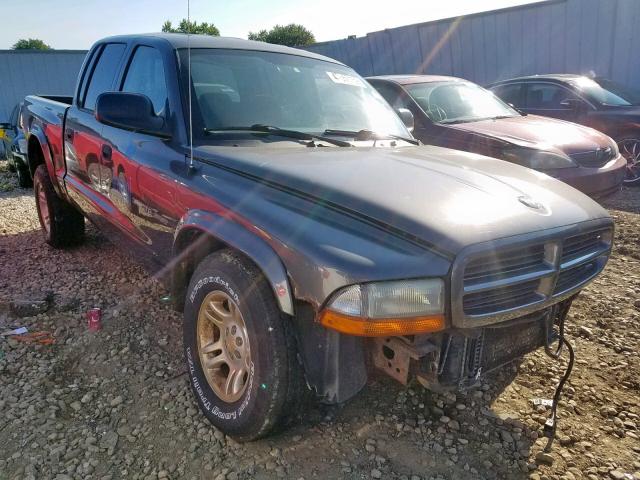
[(25, 72), (557, 36)]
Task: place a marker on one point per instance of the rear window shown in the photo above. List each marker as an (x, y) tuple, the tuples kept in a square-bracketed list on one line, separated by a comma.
[(104, 73)]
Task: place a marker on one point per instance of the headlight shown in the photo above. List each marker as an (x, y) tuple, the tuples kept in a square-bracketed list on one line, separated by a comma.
[(615, 150), (537, 159), (402, 307), (22, 146)]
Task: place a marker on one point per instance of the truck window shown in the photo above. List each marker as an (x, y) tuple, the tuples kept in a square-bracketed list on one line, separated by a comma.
[(145, 75), (104, 73)]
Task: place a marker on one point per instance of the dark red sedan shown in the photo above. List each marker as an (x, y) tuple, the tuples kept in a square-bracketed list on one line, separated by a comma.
[(454, 113), (595, 102)]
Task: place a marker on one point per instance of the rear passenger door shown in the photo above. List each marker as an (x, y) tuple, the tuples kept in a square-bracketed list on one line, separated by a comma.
[(141, 188), (84, 178)]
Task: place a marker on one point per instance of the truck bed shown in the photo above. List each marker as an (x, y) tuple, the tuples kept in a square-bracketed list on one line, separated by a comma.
[(47, 113)]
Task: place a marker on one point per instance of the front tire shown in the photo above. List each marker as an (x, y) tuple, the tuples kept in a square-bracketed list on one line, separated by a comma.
[(240, 351), (630, 148), (61, 224)]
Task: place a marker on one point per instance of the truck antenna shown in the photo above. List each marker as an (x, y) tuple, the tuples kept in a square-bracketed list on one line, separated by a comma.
[(191, 166)]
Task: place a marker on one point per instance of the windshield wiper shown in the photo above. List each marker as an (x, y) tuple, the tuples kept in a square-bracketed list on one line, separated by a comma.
[(365, 134), (258, 127), (460, 120), (454, 121)]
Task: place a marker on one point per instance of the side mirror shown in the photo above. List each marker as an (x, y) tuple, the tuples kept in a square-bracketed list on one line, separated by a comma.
[(407, 118), (129, 111)]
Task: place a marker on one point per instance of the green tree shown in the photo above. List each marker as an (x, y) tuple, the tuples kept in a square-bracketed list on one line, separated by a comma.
[(292, 35), (30, 44), (191, 27)]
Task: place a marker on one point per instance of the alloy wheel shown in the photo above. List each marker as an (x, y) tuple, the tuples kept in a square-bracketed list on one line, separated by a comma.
[(223, 346), (43, 209), (630, 149)]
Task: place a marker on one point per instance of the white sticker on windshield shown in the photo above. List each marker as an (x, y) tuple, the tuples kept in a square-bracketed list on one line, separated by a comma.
[(345, 79)]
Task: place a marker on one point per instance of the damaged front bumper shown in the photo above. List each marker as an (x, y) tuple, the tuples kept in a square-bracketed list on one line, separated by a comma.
[(458, 358)]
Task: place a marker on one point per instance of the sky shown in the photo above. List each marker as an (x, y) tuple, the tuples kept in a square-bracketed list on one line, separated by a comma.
[(76, 24)]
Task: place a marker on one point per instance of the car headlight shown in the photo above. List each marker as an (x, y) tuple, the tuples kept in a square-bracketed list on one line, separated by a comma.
[(22, 146), (537, 159), (403, 307)]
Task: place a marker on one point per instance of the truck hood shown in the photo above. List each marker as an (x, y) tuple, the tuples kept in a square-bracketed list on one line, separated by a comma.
[(444, 198), (540, 132)]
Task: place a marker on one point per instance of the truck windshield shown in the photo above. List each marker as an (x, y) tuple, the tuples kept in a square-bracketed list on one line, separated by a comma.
[(458, 102), (233, 88)]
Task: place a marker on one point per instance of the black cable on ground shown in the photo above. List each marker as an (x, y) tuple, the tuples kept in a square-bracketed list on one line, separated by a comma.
[(551, 424)]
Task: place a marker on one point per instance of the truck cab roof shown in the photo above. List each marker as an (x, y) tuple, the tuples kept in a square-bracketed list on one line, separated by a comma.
[(182, 40)]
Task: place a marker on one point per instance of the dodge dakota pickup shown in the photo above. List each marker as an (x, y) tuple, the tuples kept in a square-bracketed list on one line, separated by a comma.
[(307, 238)]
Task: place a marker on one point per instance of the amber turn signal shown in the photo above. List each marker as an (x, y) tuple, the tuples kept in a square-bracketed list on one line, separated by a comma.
[(384, 327)]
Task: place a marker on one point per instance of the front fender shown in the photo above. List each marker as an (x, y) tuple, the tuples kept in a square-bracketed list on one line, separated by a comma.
[(240, 238)]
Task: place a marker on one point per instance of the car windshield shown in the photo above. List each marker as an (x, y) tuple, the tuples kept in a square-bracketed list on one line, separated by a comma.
[(607, 92), (457, 102), (243, 88)]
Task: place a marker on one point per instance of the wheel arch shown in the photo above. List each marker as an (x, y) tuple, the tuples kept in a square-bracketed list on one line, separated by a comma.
[(38, 153), (201, 233)]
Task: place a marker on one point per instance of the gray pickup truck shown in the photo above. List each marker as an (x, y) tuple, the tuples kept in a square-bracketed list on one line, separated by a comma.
[(307, 238)]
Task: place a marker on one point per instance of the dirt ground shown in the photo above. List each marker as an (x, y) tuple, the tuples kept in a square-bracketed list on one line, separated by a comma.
[(116, 403)]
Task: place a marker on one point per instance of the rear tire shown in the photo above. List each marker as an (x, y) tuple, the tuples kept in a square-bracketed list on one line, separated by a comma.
[(61, 223), (232, 324)]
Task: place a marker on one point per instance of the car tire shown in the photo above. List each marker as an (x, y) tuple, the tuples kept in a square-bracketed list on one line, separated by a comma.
[(61, 223), (24, 179), (240, 349), (630, 148)]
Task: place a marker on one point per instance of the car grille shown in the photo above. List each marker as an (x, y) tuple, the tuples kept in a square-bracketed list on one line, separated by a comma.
[(507, 282), (594, 158)]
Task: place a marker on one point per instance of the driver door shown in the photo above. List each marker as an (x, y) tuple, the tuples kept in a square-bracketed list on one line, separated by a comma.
[(551, 100), (141, 188)]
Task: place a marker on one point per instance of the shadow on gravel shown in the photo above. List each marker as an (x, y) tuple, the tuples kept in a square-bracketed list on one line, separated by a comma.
[(412, 431), (626, 200)]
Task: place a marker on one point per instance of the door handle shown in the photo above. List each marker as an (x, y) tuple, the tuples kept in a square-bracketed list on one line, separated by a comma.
[(68, 134), (106, 156), (106, 152)]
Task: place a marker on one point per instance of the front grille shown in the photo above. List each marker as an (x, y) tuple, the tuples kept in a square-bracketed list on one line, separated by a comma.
[(510, 281), (594, 158), (516, 261), (575, 276), (578, 246), (511, 296)]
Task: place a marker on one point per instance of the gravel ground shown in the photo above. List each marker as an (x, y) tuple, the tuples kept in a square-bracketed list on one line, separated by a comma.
[(116, 403)]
